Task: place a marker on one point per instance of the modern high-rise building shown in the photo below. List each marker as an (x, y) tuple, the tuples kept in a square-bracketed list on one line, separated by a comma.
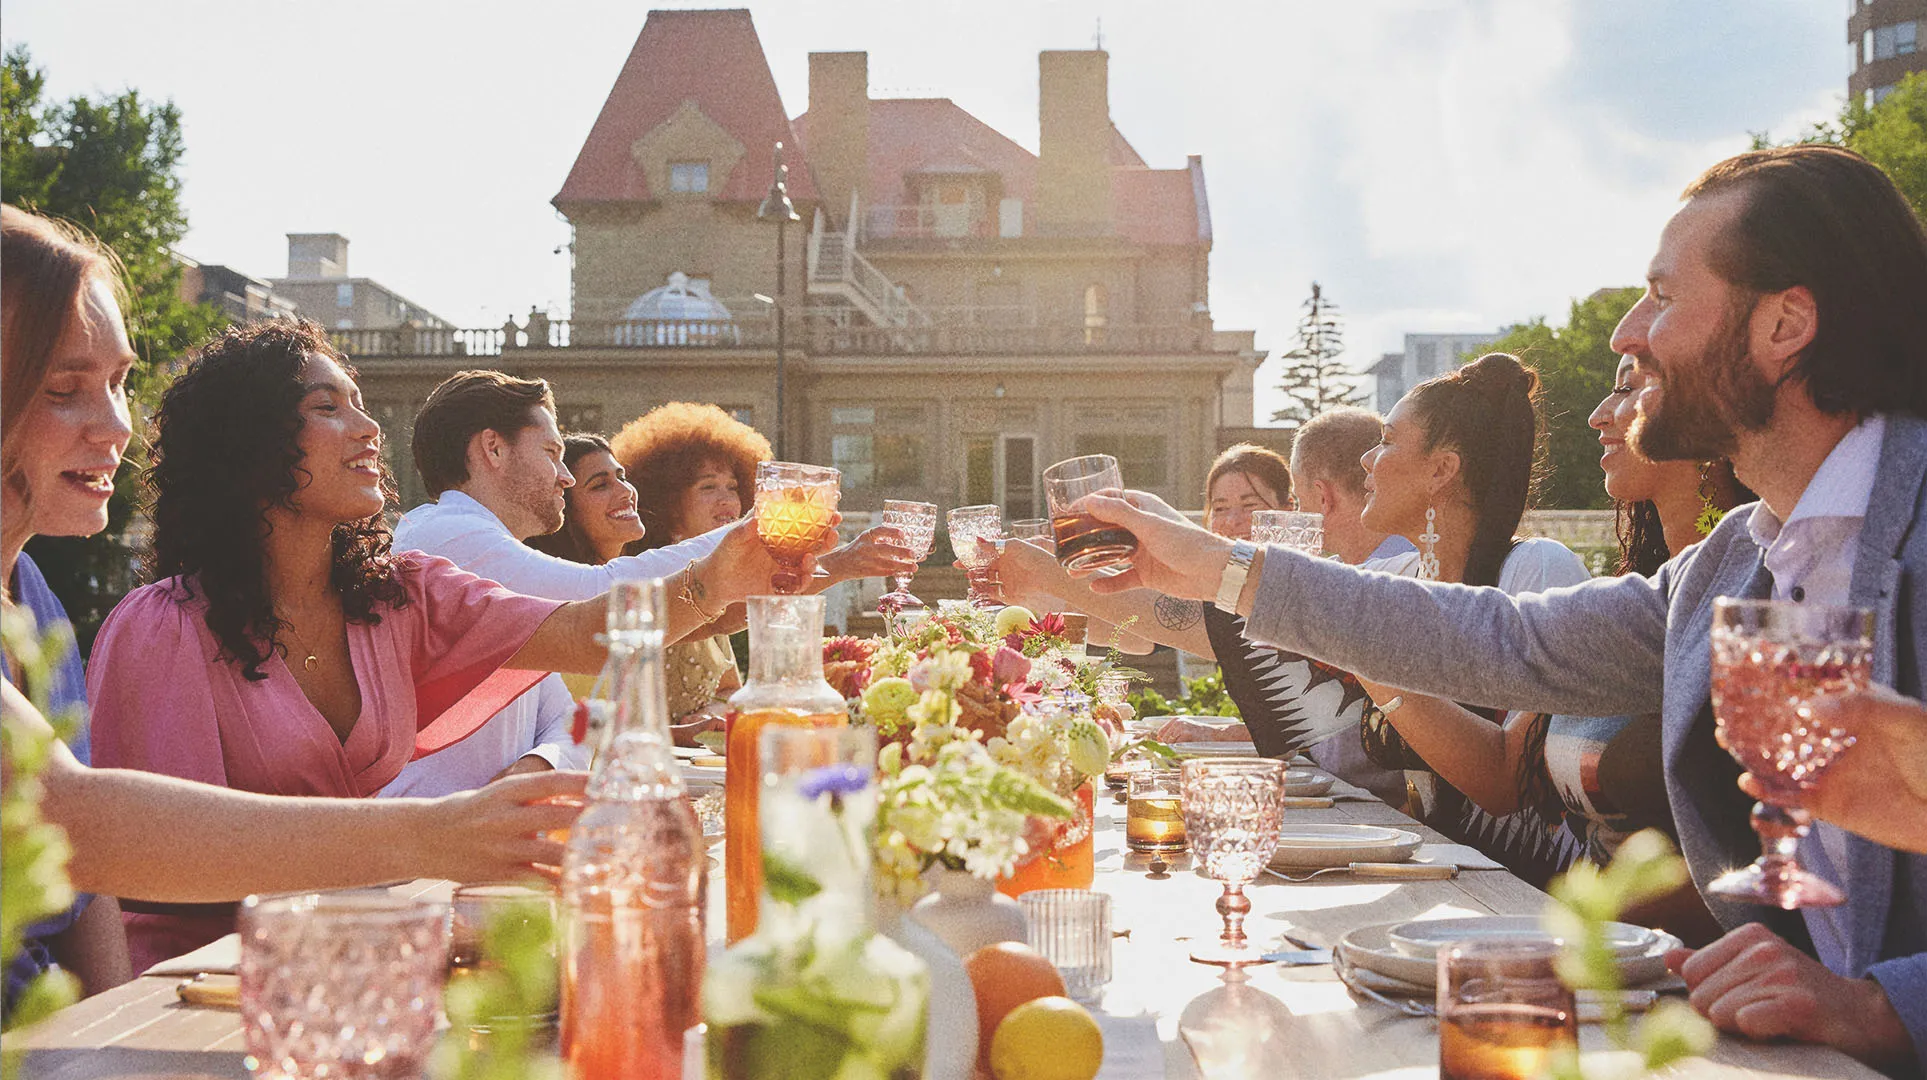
[(1424, 356), (1888, 42)]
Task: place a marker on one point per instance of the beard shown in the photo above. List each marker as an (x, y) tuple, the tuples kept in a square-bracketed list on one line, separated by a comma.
[(1703, 407)]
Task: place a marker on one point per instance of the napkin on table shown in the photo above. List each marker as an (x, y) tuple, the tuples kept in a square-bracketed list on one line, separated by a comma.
[(1465, 858), (222, 956)]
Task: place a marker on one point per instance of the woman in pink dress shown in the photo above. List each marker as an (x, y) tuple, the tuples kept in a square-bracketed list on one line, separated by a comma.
[(283, 648)]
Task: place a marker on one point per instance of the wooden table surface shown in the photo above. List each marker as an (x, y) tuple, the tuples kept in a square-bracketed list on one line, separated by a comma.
[(1282, 1022)]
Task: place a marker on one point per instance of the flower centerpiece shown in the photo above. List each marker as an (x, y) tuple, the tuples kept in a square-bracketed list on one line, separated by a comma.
[(983, 769)]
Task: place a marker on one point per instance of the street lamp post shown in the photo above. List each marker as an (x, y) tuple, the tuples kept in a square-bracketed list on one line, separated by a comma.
[(777, 205)]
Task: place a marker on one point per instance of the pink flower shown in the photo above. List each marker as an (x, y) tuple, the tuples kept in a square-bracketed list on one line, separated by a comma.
[(1009, 666)]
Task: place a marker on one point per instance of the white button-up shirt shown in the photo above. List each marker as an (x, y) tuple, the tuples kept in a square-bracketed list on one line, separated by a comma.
[(462, 530), (1811, 556)]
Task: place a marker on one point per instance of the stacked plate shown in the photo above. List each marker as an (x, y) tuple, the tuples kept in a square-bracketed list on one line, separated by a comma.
[(1318, 847), (1307, 782), (1408, 952), (1215, 749)]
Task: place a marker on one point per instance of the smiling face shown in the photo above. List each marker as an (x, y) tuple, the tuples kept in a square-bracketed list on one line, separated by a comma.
[(1402, 477), (1232, 499), (78, 423), (1629, 476), (1691, 334), (603, 503), (339, 476), (710, 501), (533, 477)]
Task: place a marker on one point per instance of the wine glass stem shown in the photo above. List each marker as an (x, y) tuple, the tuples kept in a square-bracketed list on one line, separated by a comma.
[(1780, 829), (1233, 906)]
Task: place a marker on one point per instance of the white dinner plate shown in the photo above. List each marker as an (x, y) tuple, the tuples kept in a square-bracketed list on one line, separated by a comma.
[(1370, 947), (1307, 782), (1215, 749), (1317, 847), (1425, 937), (690, 753)]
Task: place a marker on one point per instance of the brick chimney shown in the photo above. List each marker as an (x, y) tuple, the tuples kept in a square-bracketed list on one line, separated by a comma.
[(317, 255), (839, 139), (1074, 142)]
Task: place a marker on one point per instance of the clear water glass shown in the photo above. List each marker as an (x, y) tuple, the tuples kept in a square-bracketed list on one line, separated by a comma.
[(1290, 528), (345, 985), (1035, 530), (474, 911), (969, 524), (917, 522), (1072, 928)]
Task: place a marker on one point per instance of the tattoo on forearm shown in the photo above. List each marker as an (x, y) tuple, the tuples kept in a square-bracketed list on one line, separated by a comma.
[(1176, 614)]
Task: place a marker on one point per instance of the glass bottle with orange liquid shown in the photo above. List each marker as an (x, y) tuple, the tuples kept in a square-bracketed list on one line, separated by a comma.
[(633, 874), (785, 688)]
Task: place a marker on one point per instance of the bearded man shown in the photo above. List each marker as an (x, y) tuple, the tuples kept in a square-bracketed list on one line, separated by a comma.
[(1785, 327)]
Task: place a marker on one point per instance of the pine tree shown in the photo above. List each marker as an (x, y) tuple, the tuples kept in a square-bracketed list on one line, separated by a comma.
[(1314, 381)]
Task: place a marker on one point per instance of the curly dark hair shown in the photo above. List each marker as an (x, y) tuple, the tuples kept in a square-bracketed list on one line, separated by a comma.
[(1488, 411), (1642, 537), (569, 542), (664, 449), (224, 452)]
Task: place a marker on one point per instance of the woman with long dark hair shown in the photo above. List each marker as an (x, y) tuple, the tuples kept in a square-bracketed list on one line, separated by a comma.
[(64, 359), (282, 647)]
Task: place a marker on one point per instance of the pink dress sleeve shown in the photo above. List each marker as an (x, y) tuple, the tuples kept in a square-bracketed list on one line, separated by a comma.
[(464, 629), (150, 701)]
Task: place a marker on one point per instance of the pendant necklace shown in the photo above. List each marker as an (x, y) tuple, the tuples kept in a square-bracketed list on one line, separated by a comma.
[(312, 661)]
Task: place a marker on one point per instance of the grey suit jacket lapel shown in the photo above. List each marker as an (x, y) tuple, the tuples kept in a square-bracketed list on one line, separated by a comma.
[(1868, 875)]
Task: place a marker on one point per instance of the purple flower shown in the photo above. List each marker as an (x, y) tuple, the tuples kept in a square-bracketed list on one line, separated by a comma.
[(833, 780)]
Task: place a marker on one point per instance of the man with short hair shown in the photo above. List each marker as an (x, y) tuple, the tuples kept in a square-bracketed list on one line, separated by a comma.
[(487, 446), (1784, 327), (1328, 477)]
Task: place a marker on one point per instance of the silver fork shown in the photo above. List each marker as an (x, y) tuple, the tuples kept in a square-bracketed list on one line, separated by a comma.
[(1402, 1005)]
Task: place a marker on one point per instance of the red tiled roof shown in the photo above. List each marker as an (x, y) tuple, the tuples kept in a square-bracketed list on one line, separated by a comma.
[(714, 59), (1154, 206), (925, 135)]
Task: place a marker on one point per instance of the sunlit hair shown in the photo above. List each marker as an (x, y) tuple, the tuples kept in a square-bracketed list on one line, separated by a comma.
[(224, 452), (571, 542), (664, 449), (1266, 466), (49, 265), (466, 404), (1828, 219), (1488, 413), (1332, 445)]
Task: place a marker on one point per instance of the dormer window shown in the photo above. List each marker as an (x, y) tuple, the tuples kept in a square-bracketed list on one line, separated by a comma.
[(689, 177)]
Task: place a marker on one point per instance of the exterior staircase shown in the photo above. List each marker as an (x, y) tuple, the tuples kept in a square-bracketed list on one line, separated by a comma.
[(836, 271)]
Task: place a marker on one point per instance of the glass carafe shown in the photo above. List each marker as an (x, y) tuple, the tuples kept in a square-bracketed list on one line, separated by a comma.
[(633, 874), (815, 991), (785, 688)]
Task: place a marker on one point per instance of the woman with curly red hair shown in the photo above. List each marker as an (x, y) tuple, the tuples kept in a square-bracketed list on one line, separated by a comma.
[(282, 648), (694, 468)]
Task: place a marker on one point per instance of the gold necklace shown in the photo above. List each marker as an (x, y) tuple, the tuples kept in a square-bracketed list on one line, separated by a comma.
[(312, 660)]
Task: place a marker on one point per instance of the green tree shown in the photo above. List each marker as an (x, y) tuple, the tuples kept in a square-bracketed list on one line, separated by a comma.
[(1892, 135), (110, 165), (1575, 364), (1314, 379)]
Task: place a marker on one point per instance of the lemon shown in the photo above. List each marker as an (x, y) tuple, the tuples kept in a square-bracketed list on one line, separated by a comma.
[(1050, 1038), (1090, 748), (1014, 618)]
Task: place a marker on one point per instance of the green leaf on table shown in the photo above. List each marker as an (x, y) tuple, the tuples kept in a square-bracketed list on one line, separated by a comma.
[(786, 882), (713, 741)]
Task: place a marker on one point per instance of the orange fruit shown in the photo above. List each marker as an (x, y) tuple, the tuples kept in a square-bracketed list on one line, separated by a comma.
[(1004, 976), (1051, 1038)]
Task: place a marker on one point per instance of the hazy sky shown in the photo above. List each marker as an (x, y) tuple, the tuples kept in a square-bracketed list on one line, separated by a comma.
[(1435, 164)]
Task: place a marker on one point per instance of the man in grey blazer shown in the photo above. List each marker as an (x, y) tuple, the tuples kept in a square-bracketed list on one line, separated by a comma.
[(1785, 327)]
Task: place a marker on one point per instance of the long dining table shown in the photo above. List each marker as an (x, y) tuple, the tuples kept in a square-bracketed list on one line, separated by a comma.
[(1163, 1015)]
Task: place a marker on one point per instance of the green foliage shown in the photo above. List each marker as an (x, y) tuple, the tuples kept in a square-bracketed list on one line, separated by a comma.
[(1575, 364), (518, 982), (1203, 696), (1892, 135), (1314, 379), (1584, 900), (110, 165), (33, 850)]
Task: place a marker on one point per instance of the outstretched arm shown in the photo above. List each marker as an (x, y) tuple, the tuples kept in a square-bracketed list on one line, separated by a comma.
[(1026, 572), (151, 837)]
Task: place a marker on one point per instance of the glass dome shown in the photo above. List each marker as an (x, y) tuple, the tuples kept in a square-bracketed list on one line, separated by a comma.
[(681, 298)]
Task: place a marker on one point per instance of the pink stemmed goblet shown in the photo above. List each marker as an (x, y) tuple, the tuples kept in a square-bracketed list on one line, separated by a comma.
[(1771, 658)]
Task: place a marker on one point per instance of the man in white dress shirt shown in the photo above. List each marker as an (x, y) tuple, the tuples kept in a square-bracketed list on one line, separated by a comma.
[(487, 446)]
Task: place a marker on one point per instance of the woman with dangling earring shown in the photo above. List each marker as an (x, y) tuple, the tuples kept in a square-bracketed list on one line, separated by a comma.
[(1453, 472)]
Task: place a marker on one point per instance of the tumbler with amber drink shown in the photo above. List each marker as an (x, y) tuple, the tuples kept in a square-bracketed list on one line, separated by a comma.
[(795, 515), (1082, 541), (1503, 1011)]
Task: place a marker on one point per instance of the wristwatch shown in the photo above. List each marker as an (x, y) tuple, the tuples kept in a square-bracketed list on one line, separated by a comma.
[(1232, 584)]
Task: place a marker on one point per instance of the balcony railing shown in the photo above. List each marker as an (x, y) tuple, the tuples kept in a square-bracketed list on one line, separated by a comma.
[(922, 222), (815, 333)]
